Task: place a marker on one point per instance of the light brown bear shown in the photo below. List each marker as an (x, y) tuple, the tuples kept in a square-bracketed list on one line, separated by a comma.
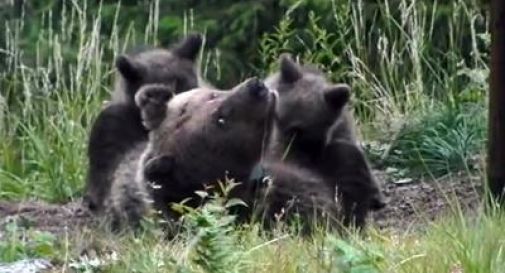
[(314, 129)]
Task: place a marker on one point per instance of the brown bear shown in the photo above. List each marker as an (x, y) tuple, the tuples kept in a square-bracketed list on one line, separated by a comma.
[(118, 127), (204, 135), (314, 128), (181, 148)]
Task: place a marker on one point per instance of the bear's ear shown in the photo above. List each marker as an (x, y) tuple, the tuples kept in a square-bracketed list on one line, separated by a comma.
[(189, 47), (290, 70), (129, 68), (159, 168), (337, 95)]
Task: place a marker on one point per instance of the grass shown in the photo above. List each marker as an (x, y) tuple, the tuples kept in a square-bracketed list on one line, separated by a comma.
[(210, 243), (436, 143), (418, 93), (51, 102)]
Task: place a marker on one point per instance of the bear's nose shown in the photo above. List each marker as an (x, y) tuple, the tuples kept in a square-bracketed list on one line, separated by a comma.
[(257, 88)]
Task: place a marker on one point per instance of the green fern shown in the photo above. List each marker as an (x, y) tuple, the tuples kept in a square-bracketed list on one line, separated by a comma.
[(214, 244)]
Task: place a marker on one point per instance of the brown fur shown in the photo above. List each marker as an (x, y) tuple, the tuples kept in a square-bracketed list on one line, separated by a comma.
[(206, 136), (179, 157), (190, 147), (129, 199), (289, 194), (315, 129), (118, 127)]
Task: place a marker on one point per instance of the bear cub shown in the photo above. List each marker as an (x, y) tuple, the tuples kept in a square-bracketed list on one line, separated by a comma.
[(314, 129), (118, 128)]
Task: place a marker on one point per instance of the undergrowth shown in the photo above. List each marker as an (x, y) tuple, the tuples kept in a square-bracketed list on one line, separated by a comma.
[(444, 141), (210, 242)]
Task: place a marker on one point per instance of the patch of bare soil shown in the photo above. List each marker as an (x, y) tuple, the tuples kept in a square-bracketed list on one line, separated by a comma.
[(412, 204), (54, 218), (409, 206)]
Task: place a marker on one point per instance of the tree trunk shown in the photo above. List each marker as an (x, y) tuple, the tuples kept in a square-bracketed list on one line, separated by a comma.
[(496, 144)]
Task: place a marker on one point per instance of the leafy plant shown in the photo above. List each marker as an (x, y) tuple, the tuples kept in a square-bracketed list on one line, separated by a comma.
[(439, 142), (19, 243), (213, 243), (351, 259)]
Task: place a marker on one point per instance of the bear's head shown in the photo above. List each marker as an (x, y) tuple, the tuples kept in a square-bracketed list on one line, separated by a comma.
[(203, 135), (308, 103), (173, 67)]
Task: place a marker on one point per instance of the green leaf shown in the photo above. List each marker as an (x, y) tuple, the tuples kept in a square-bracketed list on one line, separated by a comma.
[(235, 202)]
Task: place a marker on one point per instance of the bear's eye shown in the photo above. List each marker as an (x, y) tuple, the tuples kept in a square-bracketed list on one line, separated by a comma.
[(221, 121), (223, 116)]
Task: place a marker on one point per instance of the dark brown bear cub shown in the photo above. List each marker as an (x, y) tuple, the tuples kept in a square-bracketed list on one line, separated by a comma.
[(288, 194), (118, 127), (206, 135), (314, 129)]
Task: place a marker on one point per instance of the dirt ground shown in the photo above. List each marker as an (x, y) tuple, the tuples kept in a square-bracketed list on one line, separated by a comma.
[(410, 204), (54, 218)]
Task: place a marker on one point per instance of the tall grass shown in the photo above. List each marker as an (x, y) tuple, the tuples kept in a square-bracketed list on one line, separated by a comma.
[(449, 247), (409, 62), (50, 99), (210, 244)]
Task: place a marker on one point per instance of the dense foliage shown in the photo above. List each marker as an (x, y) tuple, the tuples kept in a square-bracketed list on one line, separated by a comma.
[(234, 28)]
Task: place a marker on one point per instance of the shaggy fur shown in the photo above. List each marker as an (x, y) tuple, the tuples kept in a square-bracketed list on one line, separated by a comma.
[(314, 129), (203, 136), (118, 127)]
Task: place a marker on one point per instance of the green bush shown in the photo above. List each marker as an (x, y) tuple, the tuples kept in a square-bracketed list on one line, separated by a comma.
[(439, 142)]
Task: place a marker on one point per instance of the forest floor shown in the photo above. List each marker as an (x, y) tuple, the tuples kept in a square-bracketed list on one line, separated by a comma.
[(412, 208), (409, 205)]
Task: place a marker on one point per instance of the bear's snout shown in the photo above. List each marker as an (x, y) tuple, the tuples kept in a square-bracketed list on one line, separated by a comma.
[(257, 88)]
